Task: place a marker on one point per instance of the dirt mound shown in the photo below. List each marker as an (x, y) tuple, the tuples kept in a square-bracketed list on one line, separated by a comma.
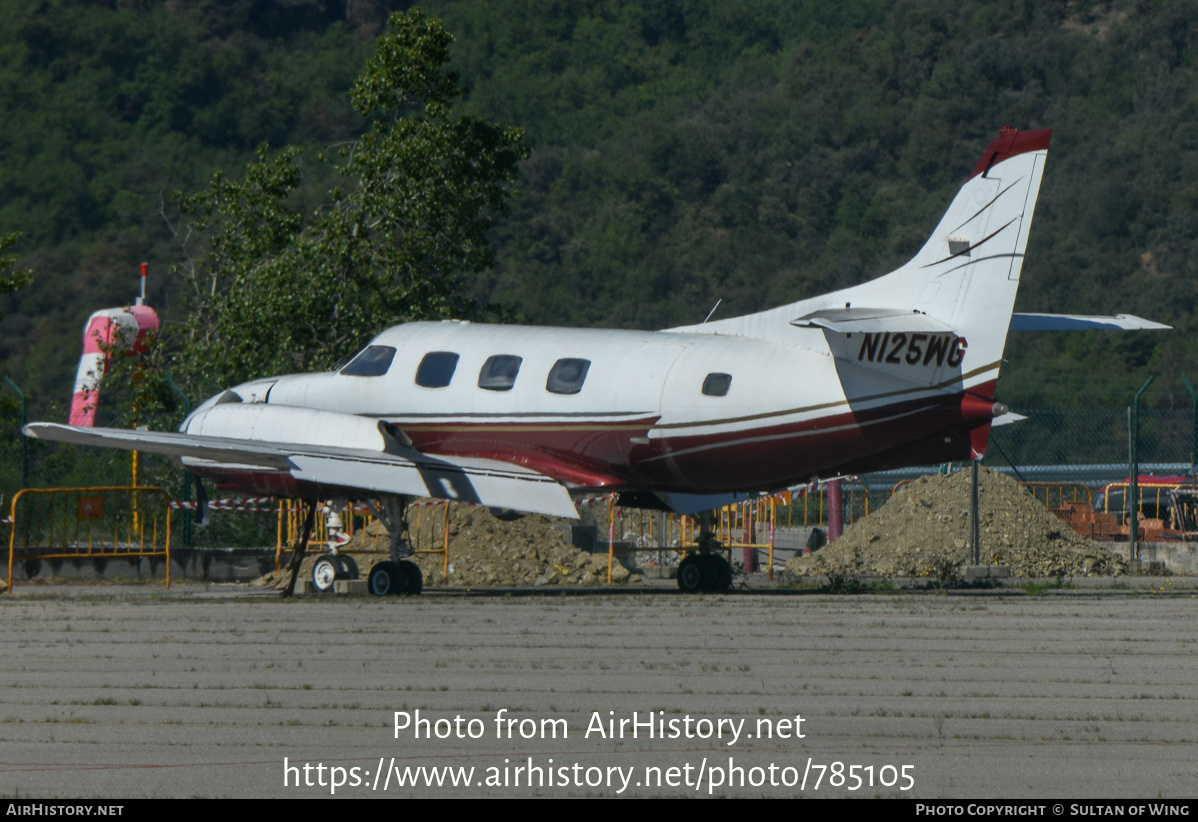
[(485, 551), (923, 531)]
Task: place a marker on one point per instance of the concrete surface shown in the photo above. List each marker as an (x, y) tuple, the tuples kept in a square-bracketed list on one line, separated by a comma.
[(205, 564), (1177, 557), (130, 691)]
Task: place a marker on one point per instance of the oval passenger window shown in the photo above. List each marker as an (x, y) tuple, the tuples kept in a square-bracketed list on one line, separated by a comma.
[(567, 376), (436, 369), (499, 372)]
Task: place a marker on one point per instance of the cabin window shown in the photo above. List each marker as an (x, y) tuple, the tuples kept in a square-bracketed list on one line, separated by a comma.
[(436, 369), (567, 376), (499, 372), (717, 385), (372, 362)]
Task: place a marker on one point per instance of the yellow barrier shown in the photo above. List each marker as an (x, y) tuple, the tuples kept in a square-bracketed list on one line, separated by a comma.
[(102, 522), (1074, 490), (1062, 492), (642, 530), (423, 530), (755, 518), (855, 499), (1154, 499), (748, 520)]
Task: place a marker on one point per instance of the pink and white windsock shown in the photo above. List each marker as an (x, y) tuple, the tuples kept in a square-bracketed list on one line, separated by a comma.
[(106, 330)]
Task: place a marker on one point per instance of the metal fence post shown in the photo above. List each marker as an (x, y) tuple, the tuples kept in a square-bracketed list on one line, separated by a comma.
[(24, 439), (975, 526), (186, 474), (1133, 508), (1193, 427)]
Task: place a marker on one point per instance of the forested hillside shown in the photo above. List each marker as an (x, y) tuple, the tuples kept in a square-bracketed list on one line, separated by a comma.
[(682, 152), (105, 109)]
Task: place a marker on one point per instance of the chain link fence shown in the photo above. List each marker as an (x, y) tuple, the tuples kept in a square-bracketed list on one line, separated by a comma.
[(1058, 444)]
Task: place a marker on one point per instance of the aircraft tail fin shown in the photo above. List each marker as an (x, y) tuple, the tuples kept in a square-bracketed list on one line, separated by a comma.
[(941, 319)]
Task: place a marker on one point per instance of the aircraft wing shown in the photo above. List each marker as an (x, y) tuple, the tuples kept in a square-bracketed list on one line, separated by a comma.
[(397, 470), (216, 449)]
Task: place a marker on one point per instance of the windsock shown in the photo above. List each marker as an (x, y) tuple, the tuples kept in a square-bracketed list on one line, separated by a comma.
[(105, 331)]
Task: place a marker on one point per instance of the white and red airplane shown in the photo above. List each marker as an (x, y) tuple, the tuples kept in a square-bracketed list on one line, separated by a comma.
[(894, 372)]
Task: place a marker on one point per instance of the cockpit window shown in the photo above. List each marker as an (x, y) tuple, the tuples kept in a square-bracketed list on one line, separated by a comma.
[(372, 362), (499, 372), (567, 376), (436, 369), (717, 385)]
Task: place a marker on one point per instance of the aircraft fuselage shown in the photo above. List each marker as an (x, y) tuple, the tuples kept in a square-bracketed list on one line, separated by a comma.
[(676, 412)]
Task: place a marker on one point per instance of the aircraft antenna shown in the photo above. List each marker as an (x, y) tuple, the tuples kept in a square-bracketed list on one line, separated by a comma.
[(713, 308)]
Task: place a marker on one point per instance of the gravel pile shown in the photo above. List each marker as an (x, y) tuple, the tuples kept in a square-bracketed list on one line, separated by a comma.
[(923, 531)]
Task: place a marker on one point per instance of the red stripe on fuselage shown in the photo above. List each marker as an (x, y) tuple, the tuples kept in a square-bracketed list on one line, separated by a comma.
[(589, 454), (597, 455), (605, 455)]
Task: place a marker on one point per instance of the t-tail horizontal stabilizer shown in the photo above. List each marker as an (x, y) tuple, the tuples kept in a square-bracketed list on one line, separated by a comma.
[(870, 320), (1083, 322)]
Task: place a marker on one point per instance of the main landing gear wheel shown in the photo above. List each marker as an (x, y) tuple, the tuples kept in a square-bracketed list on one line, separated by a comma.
[(704, 572), (325, 572), (720, 573), (690, 574), (415, 576), (389, 578)]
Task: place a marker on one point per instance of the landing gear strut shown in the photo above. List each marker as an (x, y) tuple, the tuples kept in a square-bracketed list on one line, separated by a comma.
[(301, 547), (705, 571), (333, 566), (398, 575)]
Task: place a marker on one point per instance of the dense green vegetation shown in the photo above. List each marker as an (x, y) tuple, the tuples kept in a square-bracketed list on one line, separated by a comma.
[(11, 278), (279, 290), (682, 152), (105, 109)]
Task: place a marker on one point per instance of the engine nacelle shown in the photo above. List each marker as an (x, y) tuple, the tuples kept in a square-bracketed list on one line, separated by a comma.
[(260, 422)]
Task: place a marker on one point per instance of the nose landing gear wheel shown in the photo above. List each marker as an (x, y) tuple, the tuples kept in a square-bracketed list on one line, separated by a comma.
[(325, 572), (333, 567), (349, 568), (388, 579)]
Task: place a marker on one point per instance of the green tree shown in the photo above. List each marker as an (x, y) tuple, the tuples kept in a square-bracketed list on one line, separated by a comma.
[(276, 290), (11, 277)]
